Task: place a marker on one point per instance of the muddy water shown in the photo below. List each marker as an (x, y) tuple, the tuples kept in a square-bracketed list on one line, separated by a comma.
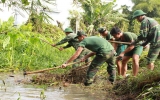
[(14, 87)]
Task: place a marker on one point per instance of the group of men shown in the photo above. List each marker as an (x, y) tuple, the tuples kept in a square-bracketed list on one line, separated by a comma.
[(114, 54)]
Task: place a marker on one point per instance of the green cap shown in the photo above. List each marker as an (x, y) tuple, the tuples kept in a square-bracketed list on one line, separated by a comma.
[(80, 33), (68, 30), (102, 30), (138, 13)]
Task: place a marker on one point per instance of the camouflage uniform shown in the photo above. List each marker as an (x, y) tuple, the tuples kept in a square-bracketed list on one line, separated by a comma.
[(150, 33), (72, 42), (104, 53)]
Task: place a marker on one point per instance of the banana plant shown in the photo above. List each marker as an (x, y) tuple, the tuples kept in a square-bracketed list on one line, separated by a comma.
[(97, 14)]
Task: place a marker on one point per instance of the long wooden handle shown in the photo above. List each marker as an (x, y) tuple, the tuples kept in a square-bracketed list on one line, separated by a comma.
[(48, 43), (119, 42), (40, 71)]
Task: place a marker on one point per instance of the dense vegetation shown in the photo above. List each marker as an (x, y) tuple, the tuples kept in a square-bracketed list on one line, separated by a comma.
[(23, 48)]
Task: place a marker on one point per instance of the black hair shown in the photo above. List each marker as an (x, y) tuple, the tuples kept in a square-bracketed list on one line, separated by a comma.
[(115, 30)]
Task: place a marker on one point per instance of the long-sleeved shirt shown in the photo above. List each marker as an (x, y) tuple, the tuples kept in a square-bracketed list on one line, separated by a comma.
[(149, 31), (70, 38)]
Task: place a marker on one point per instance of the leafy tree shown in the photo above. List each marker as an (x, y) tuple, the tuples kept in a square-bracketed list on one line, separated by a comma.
[(151, 7), (14, 2), (132, 25), (36, 9), (38, 13), (74, 17), (97, 14)]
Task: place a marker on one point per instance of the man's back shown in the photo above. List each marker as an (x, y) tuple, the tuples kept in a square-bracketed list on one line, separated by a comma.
[(96, 44)]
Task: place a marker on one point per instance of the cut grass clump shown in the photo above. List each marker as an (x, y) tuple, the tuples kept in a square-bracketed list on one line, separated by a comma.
[(139, 86)]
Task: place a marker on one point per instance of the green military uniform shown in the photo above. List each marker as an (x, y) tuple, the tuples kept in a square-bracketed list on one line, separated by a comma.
[(73, 42), (109, 36), (120, 48), (104, 53), (128, 37), (150, 32), (102, 30)]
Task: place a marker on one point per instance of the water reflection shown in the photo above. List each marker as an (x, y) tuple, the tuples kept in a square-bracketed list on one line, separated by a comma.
[(11, 88)]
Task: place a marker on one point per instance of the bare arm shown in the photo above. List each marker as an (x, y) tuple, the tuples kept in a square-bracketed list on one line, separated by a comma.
[(115, 46), (77, 53), (128, 49), (89, 55), (125, 51)]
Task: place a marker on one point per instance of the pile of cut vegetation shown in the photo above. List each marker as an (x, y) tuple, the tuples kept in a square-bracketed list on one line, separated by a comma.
[(74, 75), (145, 86)]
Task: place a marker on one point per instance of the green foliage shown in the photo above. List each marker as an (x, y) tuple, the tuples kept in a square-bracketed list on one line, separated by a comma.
[(151, 7), (23, 49), (145, 80), (97, 14), (3, 1), (6, 26), (6, 42), (157, 19), (151, 93), (25, 2), (146, 84), (32, 8)]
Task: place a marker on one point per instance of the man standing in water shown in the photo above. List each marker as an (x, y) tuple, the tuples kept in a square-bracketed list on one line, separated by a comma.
[(72, 42), (150, 33), (104, 52)]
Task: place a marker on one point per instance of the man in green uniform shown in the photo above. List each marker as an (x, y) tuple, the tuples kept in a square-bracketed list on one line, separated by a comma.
[(72, 42), (130, 52), (150, 33), (103, 32), (104, 52), (118, 47)]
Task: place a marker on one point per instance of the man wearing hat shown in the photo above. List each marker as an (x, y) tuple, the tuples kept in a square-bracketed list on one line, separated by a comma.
[(118, 47), (150, 33), (103, 32), (72, 42), (104, 52)]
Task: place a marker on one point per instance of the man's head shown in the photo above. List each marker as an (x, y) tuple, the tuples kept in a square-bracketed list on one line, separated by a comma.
[(80, 35), (116, 32), (103, 31), (139, 15), (68, 30)]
